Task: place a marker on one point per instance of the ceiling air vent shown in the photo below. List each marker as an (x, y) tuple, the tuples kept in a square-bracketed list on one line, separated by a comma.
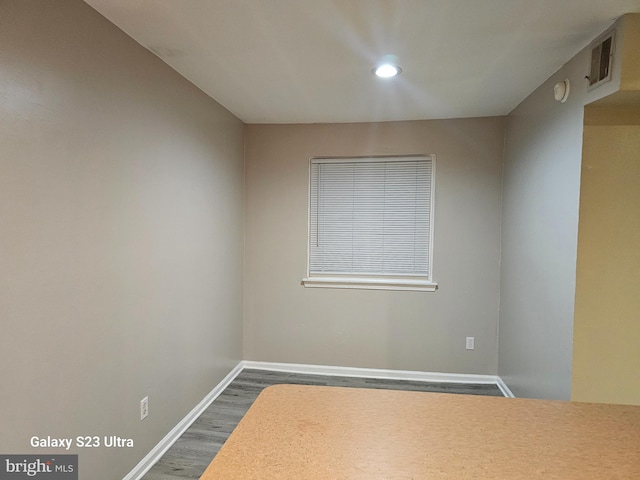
[(601, 58)]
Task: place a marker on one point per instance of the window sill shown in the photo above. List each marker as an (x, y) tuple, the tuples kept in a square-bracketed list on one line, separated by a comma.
[(370, 283)]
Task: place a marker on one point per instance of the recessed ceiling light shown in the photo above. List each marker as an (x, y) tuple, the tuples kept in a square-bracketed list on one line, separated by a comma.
[(386, 70)]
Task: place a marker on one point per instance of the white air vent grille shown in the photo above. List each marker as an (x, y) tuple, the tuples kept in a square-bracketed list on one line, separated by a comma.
[(601, 60)]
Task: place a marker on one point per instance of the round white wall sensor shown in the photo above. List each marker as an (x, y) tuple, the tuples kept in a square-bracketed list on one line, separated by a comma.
[(561, 91)]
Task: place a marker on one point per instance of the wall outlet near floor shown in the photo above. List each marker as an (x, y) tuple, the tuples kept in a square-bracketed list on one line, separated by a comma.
[(144, 408), (471, 343)]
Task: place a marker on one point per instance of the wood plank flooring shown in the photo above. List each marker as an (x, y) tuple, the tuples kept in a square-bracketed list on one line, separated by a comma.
[(193, 451)]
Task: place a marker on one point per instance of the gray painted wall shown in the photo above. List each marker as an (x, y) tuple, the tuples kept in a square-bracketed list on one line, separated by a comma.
[(121, 211), (285, 322), (541, 190)]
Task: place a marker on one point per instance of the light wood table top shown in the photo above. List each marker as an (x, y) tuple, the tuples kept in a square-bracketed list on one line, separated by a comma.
[(320, 433)]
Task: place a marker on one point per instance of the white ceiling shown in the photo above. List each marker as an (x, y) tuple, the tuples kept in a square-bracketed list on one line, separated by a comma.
[(310, 61)]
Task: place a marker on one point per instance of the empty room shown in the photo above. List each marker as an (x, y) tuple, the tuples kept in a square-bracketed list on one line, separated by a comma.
[(319, 239)]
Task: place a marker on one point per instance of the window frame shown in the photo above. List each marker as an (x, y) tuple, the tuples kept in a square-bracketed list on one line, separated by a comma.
[(422, 283)]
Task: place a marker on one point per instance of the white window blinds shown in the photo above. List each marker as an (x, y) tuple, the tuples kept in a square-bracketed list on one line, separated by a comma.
[(371, 216)]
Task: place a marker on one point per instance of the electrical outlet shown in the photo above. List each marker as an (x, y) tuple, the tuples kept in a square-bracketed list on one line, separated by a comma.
[(144, 408), (471, 343)]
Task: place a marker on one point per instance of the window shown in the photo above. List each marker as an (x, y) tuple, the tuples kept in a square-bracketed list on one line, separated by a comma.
[(370, 223)]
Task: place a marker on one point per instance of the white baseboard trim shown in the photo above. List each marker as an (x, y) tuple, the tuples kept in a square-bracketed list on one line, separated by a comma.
[(373, 373), (156, 453), (506, 391)]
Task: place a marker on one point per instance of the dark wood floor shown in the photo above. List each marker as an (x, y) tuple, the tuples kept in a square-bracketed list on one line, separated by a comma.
[(194, 450)]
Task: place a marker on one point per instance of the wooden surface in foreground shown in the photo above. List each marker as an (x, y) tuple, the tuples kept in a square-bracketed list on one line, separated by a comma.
[(321, 433)]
